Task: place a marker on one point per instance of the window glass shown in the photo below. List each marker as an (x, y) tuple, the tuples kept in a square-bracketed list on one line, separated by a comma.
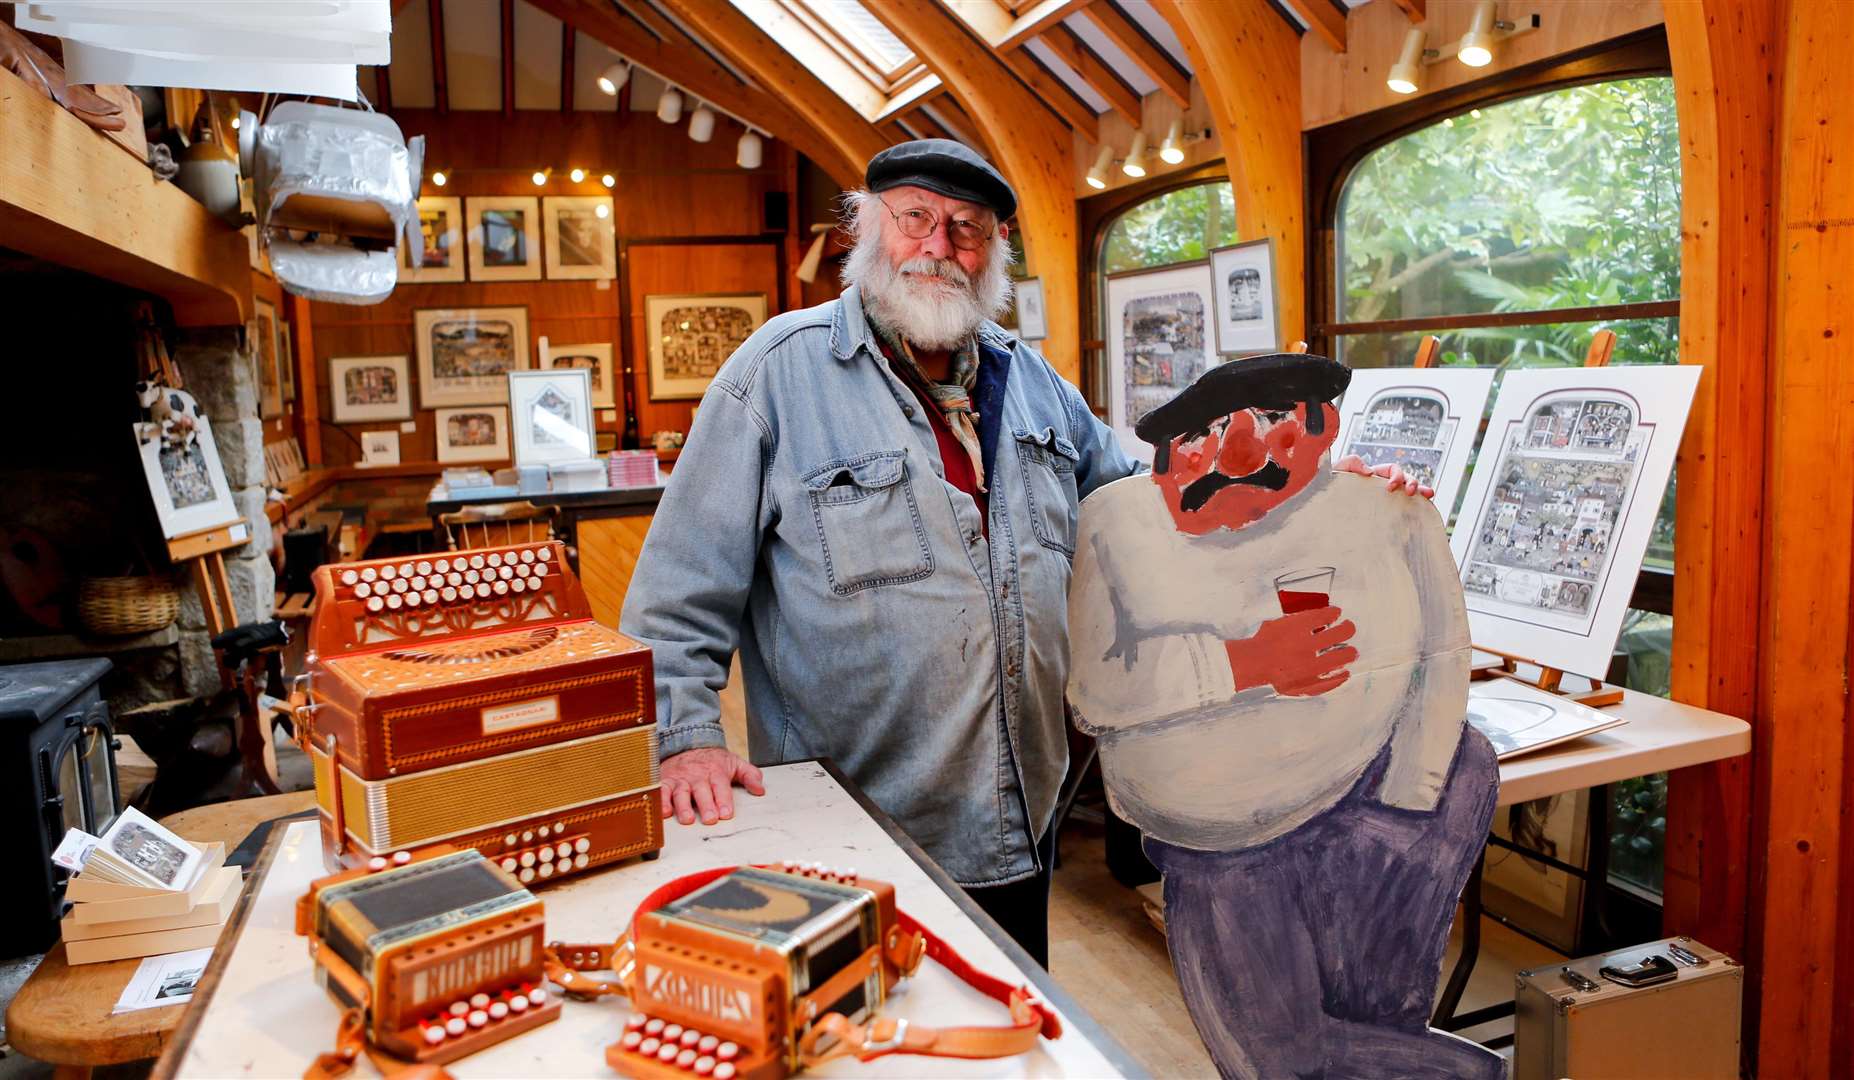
[(1178, 226)]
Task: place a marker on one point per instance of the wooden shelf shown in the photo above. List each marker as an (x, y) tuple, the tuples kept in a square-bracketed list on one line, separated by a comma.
[(29, 647), (70, 196)]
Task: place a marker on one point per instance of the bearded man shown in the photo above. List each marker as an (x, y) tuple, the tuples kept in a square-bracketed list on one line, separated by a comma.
[(877, 509)]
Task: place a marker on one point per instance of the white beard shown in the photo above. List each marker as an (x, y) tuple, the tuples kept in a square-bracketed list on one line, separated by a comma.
[(932, 303)]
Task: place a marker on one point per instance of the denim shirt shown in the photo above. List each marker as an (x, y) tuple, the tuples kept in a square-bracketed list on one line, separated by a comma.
[(808, 524)]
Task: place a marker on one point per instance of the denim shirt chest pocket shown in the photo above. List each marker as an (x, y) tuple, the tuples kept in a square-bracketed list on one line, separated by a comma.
[(1048, 461), (868, 522)]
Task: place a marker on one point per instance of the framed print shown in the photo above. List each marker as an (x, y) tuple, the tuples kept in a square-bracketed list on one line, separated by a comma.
[(286, 360), (1032, 323), (473, 433), (552, 415), (595, 359), (465, 354), (187, 482), (440, 224), (579, 237), (1247, 319), (379, 448), (270, 382), (368, 388), (1158, 342), (1422, 419), (692, 336), (1562, 505), (505, 237)]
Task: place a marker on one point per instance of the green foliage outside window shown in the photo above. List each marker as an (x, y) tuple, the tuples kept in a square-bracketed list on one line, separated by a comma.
[(1178, 226)]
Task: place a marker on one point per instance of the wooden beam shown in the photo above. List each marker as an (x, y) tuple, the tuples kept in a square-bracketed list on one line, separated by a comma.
[(1150, 58), (1034, 151), (1324, 19), (308, 399), (569, 62), (508, 58), (923, 122), (892, 130), (1414, 9), (440, 88), (1075, 52), (1054, 94), (1004, 31), (729, 31), (383, 88)]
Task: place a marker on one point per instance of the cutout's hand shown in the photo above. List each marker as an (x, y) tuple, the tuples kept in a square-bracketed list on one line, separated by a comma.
[(1300, 655), (702, 782), (1394, 476)]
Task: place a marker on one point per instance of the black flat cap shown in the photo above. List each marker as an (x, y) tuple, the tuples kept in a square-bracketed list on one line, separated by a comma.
[(1277, 381), (946, 168)]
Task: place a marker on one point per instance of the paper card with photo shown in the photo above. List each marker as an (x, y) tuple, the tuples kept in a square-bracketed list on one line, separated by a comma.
[(596, 359), (1159, 340), (1422, 419), (379, 448), (476, 433), (505, 237), (138, 850), (690, 337), (186, 481), (580, 242), (1562, 505), (466, 354), (551, 413), (367, 388), (440, 225), (1247, 310)]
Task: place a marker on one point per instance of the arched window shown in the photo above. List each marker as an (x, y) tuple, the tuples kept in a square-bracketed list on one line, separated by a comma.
[(1181, 225)]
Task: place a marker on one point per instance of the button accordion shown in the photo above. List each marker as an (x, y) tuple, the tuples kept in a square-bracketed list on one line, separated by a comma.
[(470, 699)]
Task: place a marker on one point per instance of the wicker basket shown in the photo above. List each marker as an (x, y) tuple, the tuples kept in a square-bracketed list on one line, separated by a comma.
[(119, 606)]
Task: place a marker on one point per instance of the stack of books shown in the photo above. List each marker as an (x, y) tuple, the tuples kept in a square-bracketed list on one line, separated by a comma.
[(142, 891)]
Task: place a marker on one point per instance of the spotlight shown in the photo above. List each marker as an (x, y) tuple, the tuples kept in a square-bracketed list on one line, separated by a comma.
[(749, 152), (609, 180), (613, 78), (602, 211), (669, 106), (577, 175), (1097, 176), (702, 124), (1406, 75), (438, 179), (1171, 151), (1476, 48), (1135, 164), (234, 123), (539, 177)]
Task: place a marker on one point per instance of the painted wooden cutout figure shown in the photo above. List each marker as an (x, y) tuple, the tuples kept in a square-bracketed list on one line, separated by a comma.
[(1274, 658)]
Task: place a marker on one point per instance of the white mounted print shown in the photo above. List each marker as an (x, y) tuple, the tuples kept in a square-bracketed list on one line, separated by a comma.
[(186, 481), (580, 242), (1159, 340), (1561, 506), (367, 388), (1032, 320), (1247, 319), (505, 238), (552, 413), (1422, 419)]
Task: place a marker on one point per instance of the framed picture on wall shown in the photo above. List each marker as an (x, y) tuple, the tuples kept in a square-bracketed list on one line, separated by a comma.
[(552, 415), (187, 482), (366, 388), (286, 359), (580, 243), (466, 354), (440, 224), (597, 362), (1247, 320), (473, 433), (505, 237), (1032, 324), (270, 383), (379, 448), (1159, 340), (691, 336)]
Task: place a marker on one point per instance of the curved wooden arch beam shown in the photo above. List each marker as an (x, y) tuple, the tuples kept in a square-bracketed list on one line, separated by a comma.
[(1248, 60), (1035, 151)]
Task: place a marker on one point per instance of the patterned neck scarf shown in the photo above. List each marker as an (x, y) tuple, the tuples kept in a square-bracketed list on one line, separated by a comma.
[(954, 398)]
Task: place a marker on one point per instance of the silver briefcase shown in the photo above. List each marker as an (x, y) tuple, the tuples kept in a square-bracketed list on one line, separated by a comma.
[(1669, 1008)]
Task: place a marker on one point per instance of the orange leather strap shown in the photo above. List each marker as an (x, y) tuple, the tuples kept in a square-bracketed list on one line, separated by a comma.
[(351, 1042)]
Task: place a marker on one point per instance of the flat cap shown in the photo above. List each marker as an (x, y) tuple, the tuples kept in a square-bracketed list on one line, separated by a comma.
[(946, 168), (1276, 381)]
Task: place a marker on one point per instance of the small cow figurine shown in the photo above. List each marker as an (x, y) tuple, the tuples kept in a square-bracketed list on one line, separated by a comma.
[(173, 411)]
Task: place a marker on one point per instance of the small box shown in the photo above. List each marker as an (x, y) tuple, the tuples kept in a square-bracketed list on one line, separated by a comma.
[(1668, 1009)]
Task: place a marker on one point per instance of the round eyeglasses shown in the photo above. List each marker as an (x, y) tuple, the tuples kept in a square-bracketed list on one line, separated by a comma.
[(918, 223)]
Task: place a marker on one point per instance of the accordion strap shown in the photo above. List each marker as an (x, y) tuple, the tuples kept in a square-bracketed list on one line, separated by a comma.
[(351, 1042)]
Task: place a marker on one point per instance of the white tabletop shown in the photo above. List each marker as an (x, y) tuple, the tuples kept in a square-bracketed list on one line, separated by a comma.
[(267, 1017), (1660, 735)]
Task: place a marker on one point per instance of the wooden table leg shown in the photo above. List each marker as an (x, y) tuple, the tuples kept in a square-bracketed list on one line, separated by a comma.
[(70, 1072)]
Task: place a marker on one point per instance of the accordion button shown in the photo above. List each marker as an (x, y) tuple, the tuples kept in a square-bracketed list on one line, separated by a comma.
[(506, 572), (545, 554), (400, 858), (374, 603), (537, 996), (376, 863), (519, 585), (387, 572), (399, 585), (631, 1039), (564, 850), (453, 578), (667, 1052), (471, 577), (502, 588), (431, 596), (547, 854), (509, 840), (424, 566), (448, 593), (527, 874), (635, 1020), (368, 573), (466, 592), (509, 865), (724, 1071), (498, 1010), (405, 570), (653, 1027), (686, 1059), (527, 858), (478, 1018), (560, 826), (494, 558), (547, 869), (434, 1034), (349, 577), (418, 583), (458, 1008), (649, 1046), (527, 555), (708, 1044), (704, 1065), (476, 562), (579, 863), (362, 591), (479, 1001), (672, 1033), (394, 602), (518, 1003), (690, 1038), (456, 1025), (441, 565), (727, 1051)]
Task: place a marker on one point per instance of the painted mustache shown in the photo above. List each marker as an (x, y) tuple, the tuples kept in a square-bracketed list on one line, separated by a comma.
[(1198, 492)]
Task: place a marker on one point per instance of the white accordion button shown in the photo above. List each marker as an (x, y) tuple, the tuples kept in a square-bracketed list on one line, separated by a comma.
[(727, 1051), (708, 1044), (509, 840), (376, 863), (527, 858), (498, 1010), (690, 1037), (467, 592), (458, 1008), (349, 577), (509, 865), (527, 875), (479, 1001), (560, 826), (704, 1065), (431, 596), (653, 1027), (649, 1047), (724, 1071), (471, 577), (634, 1021), (441, 565), (362, 590), (453, 578), (393, 602), (564, 850), (537, 996), (527, 554), (494, 558), (434, 1034), (545, 554), (547, 854), (374, 603), (400, 585), (418, 583), (476, 562), (667, 1052), (547, 869), (506, 573), (671, 1032), (405, 569), (456, 1025), (542, 832), (579, 862), (448, 593), (519, 585), (527, 836), (631, 1039), (518, 1003), (400, 858), (478, 1018), (502, 588), (686, 1059), (412, 600), (424, 566), (368, 573), (387, 572)]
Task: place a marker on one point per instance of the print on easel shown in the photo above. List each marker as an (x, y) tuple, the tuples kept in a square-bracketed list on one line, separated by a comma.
[(1421, 419)]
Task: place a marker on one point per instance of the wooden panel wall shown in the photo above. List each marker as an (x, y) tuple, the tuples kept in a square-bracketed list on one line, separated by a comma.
[(668, 187)]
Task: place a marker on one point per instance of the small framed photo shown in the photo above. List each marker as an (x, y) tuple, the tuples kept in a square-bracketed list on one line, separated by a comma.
[(366, 388), (440, 225), (270, 379), (579, 237), (552, 413), (187, 482), (505, 238), (473, 433), (1247, 311), (595, 359), (1159, 340), (690, 338), (379, 448), (465, 354), (1032, 322)]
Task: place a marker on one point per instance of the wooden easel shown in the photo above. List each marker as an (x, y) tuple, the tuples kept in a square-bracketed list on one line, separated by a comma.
[(1602, 346), (1428, 351)]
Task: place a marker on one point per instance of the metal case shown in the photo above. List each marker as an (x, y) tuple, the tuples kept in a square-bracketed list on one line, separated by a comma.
[(1573, 1021)]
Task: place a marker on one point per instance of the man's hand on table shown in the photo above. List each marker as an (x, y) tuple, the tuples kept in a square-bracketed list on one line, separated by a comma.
[(702, 782), (1394, 475)]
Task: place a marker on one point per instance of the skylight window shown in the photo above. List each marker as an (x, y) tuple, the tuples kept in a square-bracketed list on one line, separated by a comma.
[(864, 33)]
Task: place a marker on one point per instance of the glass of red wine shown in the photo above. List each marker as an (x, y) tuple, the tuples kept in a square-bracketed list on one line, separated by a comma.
[(1307, 589)]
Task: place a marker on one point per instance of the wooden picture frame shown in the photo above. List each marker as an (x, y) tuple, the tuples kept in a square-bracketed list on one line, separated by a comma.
[(472, 433), (1159, 340), (380, 447), (264, 344), (689, 337), (187, 483), (505, 237), (580, 242), (551, 415), (595, 358), (1248, 305), (465, 354), (369, 388), (441, 223), (1032, 317)]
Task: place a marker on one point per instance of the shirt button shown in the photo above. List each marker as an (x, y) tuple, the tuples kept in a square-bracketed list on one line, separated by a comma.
[(907, 410)]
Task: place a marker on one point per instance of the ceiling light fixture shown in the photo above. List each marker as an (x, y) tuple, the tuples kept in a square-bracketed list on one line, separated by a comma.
[(577, 175), (1135, 164), (702, 124), (613, 78), (750, 151), (1171, 150), (609, 180), (540, 177), (438, 179), (1406, 75), (669, 106), (1097, 176)]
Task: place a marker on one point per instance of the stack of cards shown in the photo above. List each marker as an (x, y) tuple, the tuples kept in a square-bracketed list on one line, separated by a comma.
[(142, 891)]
